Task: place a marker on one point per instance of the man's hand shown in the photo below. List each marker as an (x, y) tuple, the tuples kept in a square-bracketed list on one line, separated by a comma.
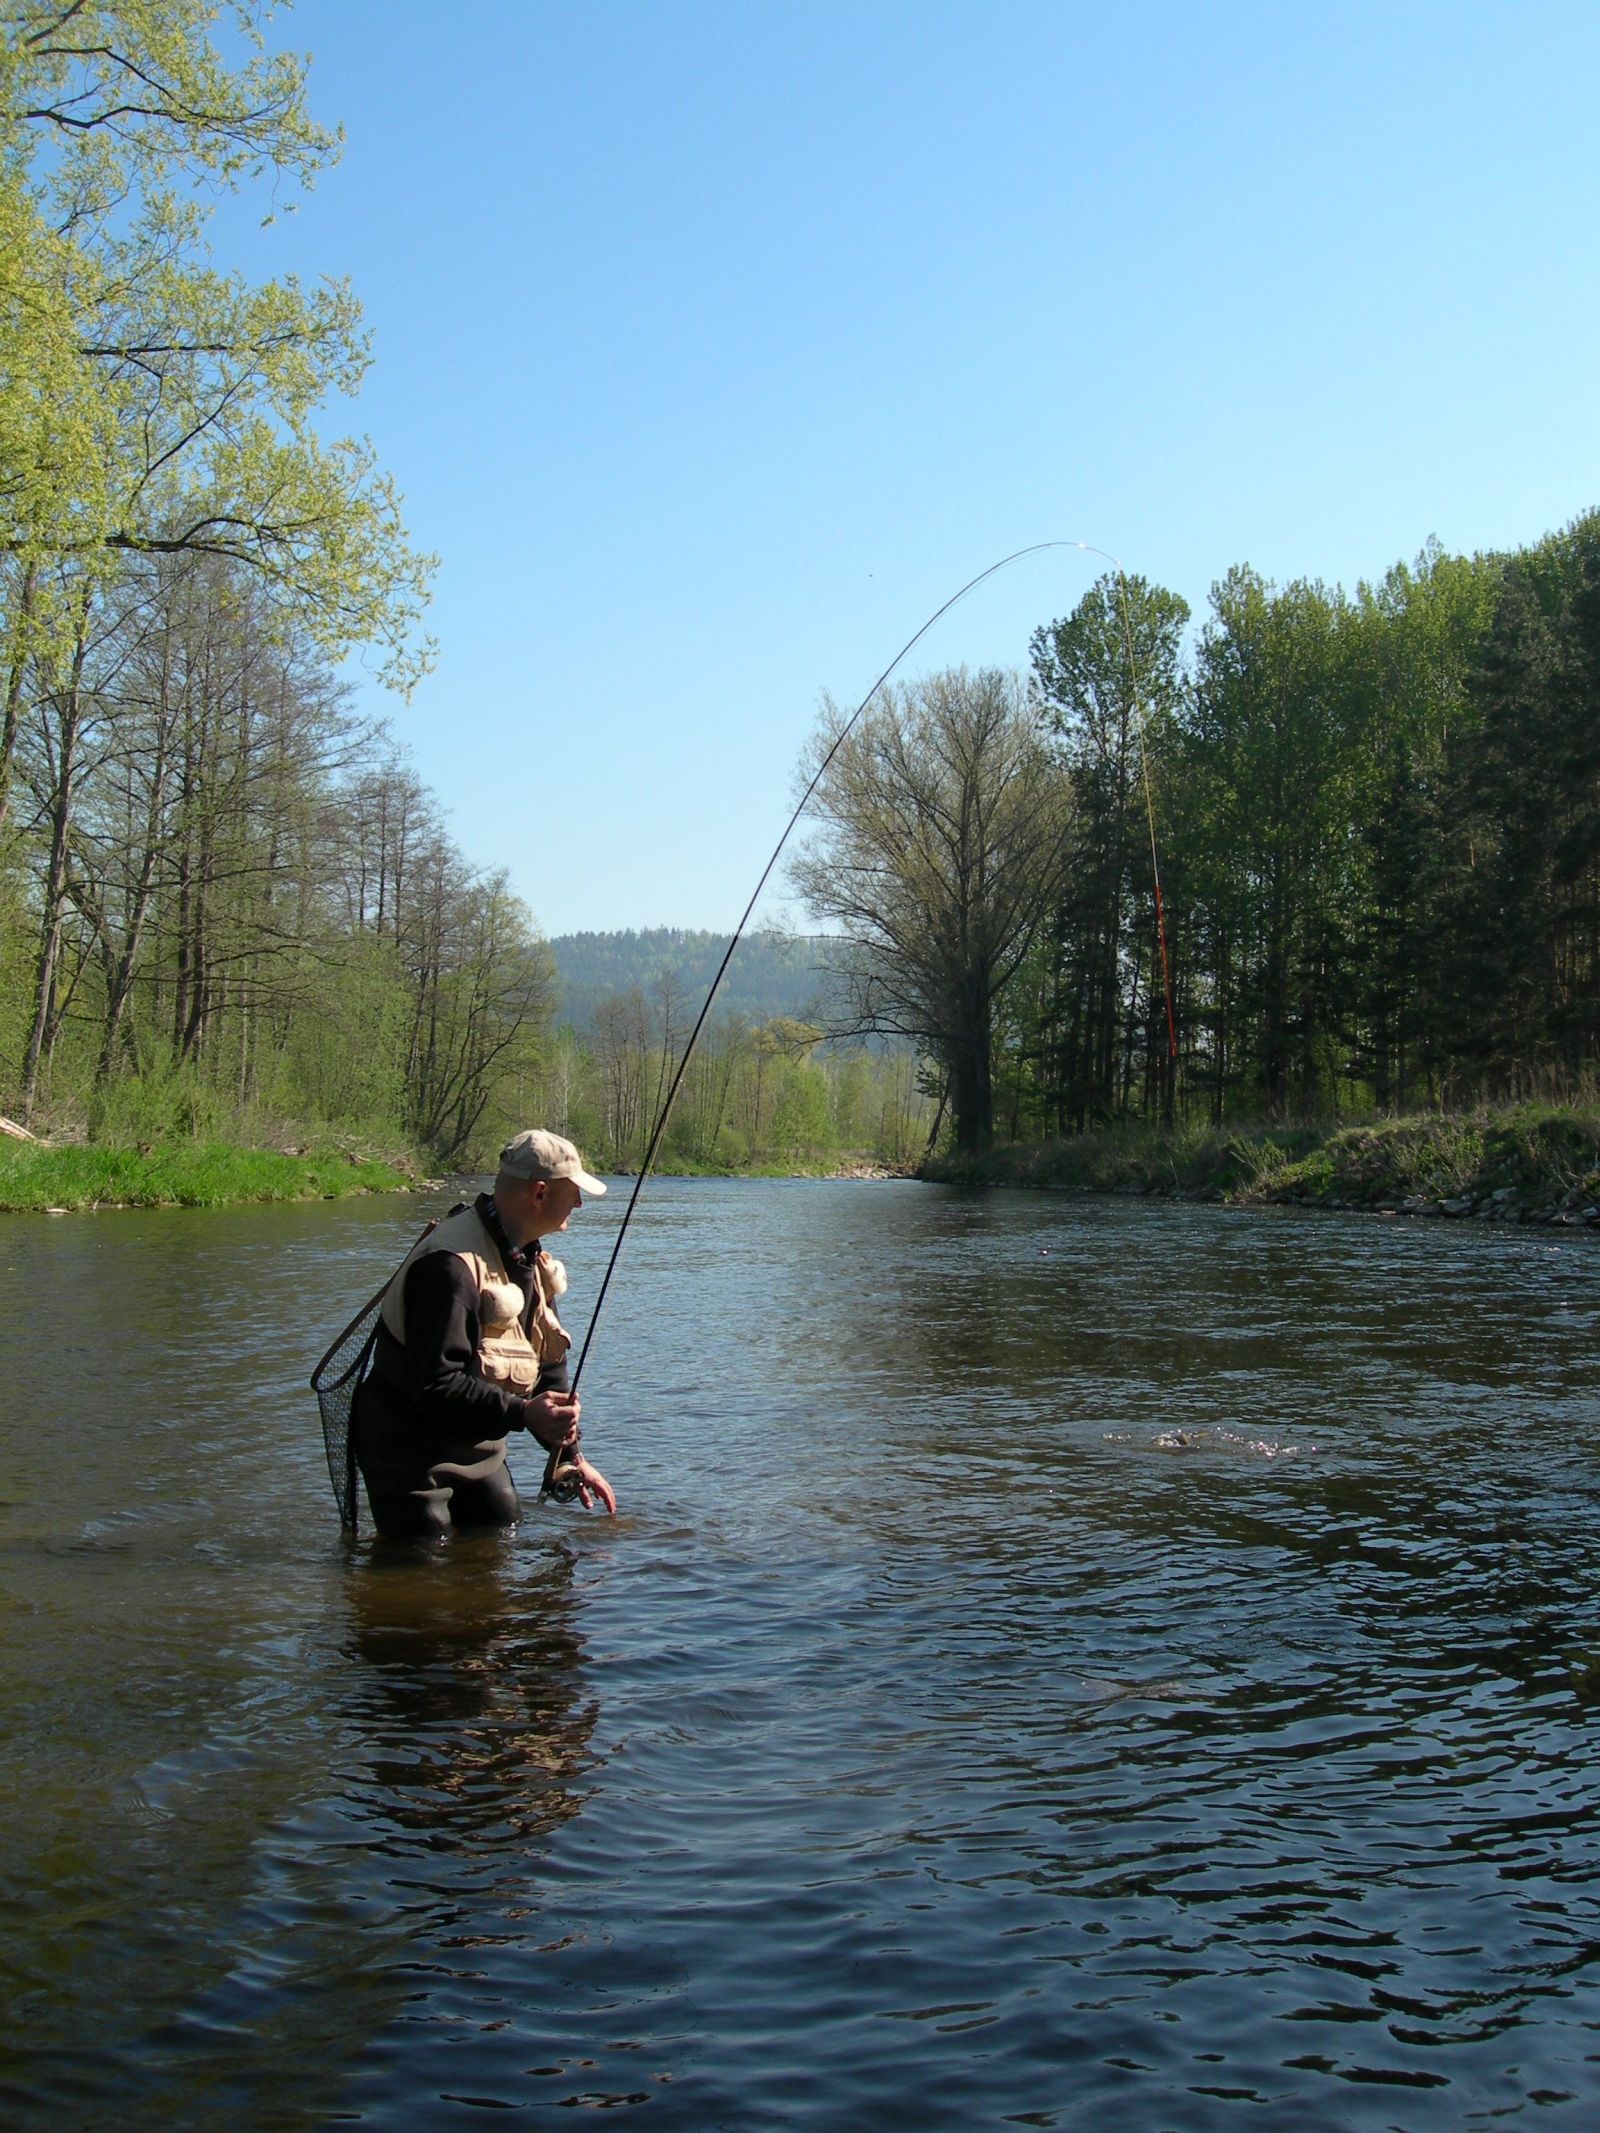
[(594, 1488), (552, 1417)]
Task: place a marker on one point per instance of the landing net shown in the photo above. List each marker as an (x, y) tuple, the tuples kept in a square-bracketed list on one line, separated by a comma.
[(334, 1381)]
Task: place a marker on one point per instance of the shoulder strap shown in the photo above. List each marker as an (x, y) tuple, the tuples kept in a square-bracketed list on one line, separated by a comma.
[(371, 1304)]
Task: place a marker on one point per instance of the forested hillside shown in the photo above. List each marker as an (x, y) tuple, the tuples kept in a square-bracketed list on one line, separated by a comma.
[(771, 973)]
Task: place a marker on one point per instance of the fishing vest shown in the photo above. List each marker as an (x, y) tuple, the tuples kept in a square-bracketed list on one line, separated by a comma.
[(508, 1354)]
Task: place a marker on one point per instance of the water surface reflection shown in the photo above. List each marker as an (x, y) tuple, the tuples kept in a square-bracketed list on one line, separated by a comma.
[(467, 1699)]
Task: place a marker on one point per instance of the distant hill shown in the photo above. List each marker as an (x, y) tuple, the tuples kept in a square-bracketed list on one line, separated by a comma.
[(771, 973)]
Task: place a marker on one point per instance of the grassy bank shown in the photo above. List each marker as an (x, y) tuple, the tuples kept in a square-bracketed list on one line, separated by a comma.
[(1529, 1163), (846, 1166), (184, 1174)]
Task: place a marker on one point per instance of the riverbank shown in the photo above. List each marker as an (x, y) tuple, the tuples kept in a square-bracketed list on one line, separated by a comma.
[(859, 1166), (1527, 1163), (36, 1179), (40, 1180)]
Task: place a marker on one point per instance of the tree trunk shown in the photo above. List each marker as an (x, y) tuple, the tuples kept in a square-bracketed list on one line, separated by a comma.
[(13, 705), (972, 1081), (69, 711)]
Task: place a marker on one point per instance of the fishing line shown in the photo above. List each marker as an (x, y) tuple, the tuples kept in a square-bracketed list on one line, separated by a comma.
[(665, 1112)]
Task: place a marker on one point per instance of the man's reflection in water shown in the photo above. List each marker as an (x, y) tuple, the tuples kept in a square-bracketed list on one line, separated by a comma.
[(468, 1698)]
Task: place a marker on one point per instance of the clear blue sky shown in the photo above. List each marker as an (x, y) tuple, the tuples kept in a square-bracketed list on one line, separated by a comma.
[(718, 341)]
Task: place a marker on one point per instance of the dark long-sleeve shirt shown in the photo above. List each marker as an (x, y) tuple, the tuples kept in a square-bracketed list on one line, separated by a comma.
[(424, 1397)]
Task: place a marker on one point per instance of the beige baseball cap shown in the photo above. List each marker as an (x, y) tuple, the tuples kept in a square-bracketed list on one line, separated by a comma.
[(537, 1154)]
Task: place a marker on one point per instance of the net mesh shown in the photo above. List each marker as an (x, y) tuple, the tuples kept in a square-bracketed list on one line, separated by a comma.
[(337, 1379), (334, 1381)]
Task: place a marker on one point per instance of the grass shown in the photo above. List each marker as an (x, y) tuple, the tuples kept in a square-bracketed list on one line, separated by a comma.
[(1538, 1157), (844, 1163), (183, 1174), (1531, 1157)]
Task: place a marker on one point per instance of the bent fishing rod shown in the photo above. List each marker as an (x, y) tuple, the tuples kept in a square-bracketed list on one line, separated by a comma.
[(665, 1112)]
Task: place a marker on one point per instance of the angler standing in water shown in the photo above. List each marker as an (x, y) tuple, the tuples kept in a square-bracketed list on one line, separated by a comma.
[(469, 1349)]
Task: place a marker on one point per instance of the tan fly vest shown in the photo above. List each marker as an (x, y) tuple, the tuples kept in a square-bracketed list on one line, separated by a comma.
[(506, 1354)]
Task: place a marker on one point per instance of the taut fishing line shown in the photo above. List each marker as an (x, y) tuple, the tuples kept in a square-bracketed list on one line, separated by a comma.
[(665, 1112)]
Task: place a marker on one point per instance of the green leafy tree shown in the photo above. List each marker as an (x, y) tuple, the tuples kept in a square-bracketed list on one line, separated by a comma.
[(1415, 638), (1109, 683), (1274, 746), (1517, 963), (183, 552), (152, 404)]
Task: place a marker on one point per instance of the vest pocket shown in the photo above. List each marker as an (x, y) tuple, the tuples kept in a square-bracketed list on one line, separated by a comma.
[(507, 1362), (499, 1306)]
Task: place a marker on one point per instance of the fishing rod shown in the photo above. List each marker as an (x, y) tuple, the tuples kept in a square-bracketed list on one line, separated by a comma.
[(665, 1112)]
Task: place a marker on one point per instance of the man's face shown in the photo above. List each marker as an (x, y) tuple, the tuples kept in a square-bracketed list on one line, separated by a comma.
[(552, 1201)]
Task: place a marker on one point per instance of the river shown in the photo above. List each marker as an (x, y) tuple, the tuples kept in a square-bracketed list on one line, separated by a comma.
[(1061, 1662)]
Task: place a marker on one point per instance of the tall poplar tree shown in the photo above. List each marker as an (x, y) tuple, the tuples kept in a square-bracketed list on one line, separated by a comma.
[(1109, 683)]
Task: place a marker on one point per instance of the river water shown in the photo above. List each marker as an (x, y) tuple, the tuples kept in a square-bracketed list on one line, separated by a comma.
[(1062, 1663)]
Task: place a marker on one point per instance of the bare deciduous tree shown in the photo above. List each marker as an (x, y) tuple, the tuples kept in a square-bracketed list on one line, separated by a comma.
[(939, 846)]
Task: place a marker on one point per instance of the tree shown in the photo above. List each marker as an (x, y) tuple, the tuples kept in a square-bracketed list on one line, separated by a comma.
[(1516, 976), (624, 1043), (1108, 681), (1274, 746), (148, 403), (1415, 639), (940, 844), (183, 554), (483, 988)]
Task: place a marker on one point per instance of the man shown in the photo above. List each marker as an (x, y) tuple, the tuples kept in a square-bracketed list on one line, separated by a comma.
[(469, 1349)]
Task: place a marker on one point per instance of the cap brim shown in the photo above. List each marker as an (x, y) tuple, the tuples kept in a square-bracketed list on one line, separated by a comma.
[(585, 1183)]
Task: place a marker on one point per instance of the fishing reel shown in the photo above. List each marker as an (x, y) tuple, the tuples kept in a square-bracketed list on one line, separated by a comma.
[(563, 1476)]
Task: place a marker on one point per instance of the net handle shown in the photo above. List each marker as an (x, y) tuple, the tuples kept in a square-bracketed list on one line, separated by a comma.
[(372, 1301)]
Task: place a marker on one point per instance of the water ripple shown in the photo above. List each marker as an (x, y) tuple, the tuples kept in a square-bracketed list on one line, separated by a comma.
[(1063, 1663)]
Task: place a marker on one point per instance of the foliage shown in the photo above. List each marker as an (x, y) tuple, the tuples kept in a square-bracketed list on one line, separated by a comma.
[(756, 1097), (1378, 831), (1108, 683), (1524, 1161), (1517, 865), (198, 1174), (938, 843), (183, 556), (224, 903), (237, 901), (1366, 791), (151, 404)]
